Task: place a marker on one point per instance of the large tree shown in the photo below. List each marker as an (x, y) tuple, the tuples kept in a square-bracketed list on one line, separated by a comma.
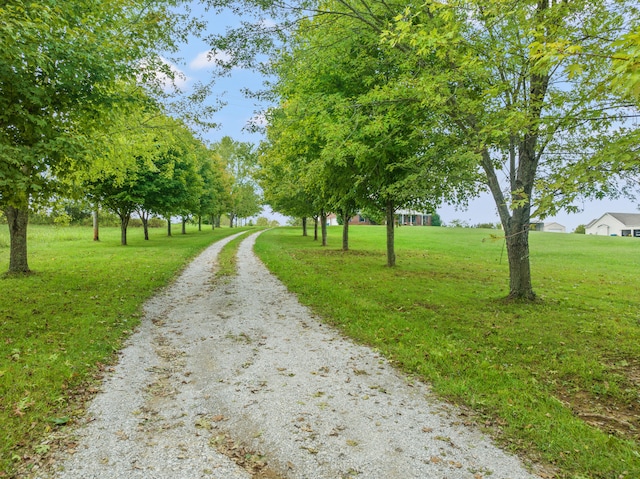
[(60, 66), (490, 79)]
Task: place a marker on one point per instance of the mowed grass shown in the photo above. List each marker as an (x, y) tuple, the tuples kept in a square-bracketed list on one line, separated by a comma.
[(556, 381), (61, 326)]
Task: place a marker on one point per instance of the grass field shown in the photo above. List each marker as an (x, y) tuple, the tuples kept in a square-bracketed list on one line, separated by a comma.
[(61, 326), (556, 381)]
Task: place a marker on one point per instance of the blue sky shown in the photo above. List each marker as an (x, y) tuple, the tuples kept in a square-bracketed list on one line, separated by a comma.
[(197, 66), (235, 116)]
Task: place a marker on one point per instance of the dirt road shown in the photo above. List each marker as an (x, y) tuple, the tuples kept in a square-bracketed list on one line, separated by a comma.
[(234, 379)]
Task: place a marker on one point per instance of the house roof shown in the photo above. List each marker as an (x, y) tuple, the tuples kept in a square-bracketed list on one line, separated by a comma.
[(627, 219)]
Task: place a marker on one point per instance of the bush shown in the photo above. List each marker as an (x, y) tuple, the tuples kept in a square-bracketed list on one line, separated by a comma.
[(156, 222), (62, 219), (580, 229), (491, 226)]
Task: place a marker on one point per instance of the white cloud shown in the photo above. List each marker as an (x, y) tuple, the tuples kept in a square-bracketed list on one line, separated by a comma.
[(164, 74), (180, 79), (209, 57), (268, 23)]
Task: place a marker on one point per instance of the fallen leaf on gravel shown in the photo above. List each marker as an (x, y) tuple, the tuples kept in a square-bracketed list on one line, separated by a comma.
[(436, 459), (455, 464), (218, 418), (427, 429), (202, 423)]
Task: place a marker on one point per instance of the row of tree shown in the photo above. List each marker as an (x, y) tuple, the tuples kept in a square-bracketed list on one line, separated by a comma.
[(385, 104), (88, 108), (171, 173)]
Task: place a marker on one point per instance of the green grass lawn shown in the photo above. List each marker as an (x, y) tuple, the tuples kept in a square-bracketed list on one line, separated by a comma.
[(60, 327), (556, 381)]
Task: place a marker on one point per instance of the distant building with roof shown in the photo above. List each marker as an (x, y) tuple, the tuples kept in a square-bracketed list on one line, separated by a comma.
[(552, 227), (615, 224)]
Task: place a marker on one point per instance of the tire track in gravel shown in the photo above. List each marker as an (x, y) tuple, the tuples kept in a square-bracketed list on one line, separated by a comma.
[(237, 370)]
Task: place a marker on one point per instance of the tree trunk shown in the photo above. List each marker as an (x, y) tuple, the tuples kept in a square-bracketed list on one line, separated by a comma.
[(516, 228), (124, 223), (144, 217), (391, 252), (218, 219), (169, 226), (18, 218), (213, 222), (231, 217), (323, 219), (96, 225), (184, 226), (199, 223), (315, 228), (304, 226), (517, 239), (345, 231)]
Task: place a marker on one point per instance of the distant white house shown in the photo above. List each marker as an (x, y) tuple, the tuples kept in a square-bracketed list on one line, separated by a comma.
[(615, 224), (554, 227)]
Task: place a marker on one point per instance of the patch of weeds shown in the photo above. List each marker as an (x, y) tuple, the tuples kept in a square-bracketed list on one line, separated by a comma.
[(227, 257)]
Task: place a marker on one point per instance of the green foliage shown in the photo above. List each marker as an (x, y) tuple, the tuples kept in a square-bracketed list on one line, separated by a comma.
[(537, 374), (580, 229), (63, 67), (346, 136), (62, 325), (241, 164), (626, 77)]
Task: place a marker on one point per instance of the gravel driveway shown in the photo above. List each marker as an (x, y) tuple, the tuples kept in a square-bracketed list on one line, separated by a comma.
[(236, 371)]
